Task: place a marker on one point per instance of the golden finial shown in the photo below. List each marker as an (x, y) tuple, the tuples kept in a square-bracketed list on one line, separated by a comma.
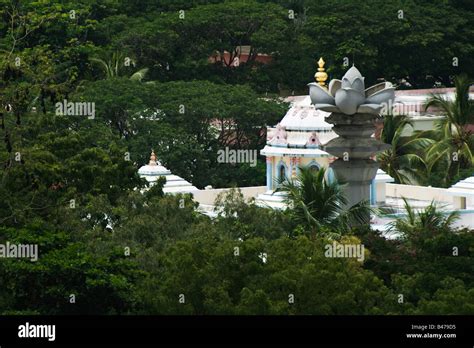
[(321, 75), (152, 159)]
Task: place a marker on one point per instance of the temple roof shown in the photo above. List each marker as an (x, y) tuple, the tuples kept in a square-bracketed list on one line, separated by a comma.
[(283, 151), (302, 116), (157, 169), (174, 184), (302, 131)]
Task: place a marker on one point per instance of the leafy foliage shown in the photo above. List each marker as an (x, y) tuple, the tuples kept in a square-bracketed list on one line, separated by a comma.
[(403, 161), (70, 184), (316, 202), (455, 141)]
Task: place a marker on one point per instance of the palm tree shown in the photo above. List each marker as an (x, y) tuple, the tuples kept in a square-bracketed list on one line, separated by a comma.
[(113, 67), (402, 160), (417, 225), (316, 202), (454, 148)]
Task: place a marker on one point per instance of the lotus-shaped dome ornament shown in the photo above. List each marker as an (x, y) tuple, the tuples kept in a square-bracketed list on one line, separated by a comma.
[(349, 96)]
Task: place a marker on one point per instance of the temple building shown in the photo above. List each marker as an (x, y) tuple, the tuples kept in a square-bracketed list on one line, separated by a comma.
[(300, 140), (296, 141), (174, 184)]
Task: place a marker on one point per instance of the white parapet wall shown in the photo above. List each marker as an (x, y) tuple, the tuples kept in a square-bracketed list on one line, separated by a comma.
[(207, 197), (412, 192), (421, 193)]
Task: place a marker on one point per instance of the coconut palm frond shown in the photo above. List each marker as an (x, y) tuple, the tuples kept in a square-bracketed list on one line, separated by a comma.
[(454, 146), (430, 220), (402, 160), (113, 66), (139, 75), (314, 202), (103, 65)]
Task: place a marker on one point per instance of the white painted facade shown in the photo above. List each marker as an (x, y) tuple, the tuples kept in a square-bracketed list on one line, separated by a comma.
[(174, 184)]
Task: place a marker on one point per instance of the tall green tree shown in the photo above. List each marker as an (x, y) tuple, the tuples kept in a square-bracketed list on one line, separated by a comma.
[(67, 278), (403, 161), (455, 144), (263, 278)]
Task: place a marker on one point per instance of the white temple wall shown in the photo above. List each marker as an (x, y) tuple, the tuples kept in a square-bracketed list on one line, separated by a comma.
[(421, 123), (422, 193), (380, 192), (207, 197)]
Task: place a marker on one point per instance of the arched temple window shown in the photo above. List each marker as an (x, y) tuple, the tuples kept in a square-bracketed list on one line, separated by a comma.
[(313, 168), (282, 173)]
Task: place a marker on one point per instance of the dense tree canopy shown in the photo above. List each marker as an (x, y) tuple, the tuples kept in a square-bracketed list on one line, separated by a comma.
[(69, 182)]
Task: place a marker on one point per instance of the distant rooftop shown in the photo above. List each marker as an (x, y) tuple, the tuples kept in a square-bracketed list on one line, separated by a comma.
[(428, 91), (412, 102)]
